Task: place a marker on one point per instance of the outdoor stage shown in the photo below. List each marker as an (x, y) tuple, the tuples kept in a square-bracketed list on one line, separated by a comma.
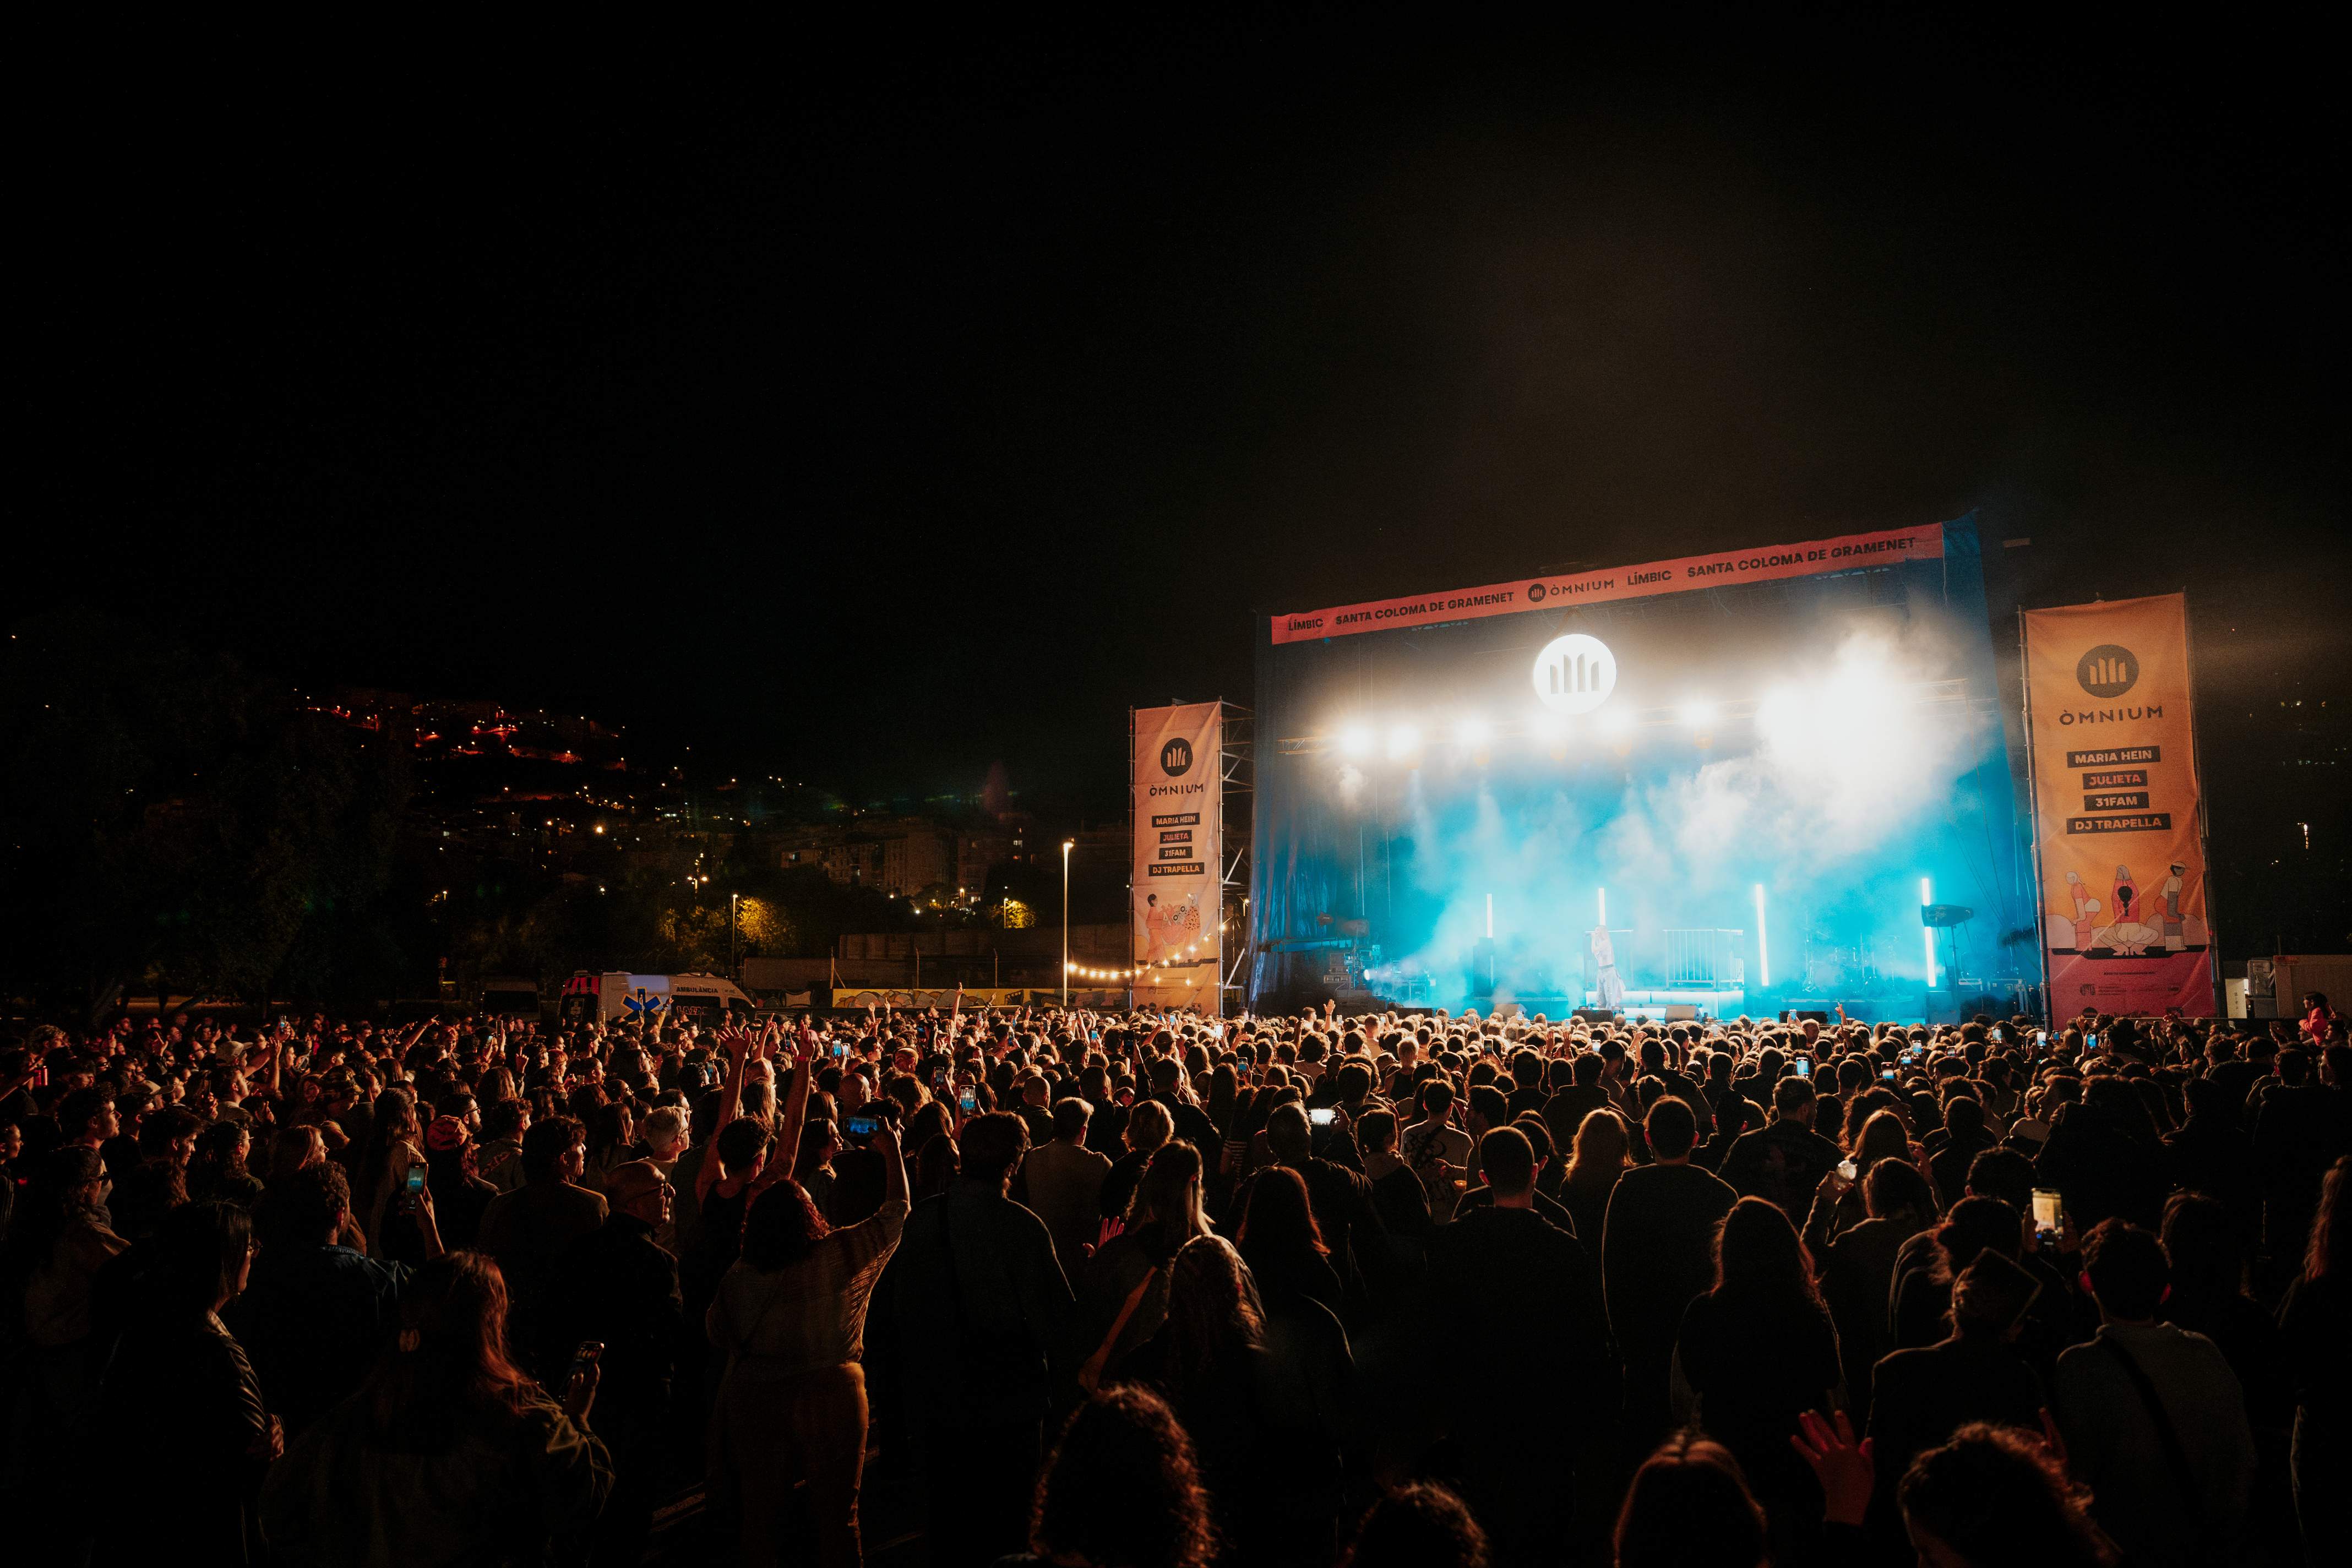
[(1770, 778)]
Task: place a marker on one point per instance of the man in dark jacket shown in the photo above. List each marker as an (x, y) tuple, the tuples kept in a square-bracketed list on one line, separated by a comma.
[(314, 1315), (528, 1229), (1536, 1379), (1786, 1160), (1963, 1139), (617, 1287), (1657, 1251), (980, 1314)]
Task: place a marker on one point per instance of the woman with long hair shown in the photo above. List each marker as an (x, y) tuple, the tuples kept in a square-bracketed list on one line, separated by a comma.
[(394, 1143), (790, 1317), (611, 1140), (1839, 1202), (1603, 1150), (1689, 1507), (219, 1173), (1148, 1128), (1994, 1497), (181, 1404), (2316, 1319), (449, 1452), (1206, 1361), (1123, 1288), (936, 1167), (1755, 1352), (460, 1196), (1281, 1244), (294, 1147), (1123, 1486), (1856, 1268)]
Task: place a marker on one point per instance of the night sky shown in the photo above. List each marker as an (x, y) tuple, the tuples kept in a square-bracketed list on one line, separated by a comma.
[(866, 409)]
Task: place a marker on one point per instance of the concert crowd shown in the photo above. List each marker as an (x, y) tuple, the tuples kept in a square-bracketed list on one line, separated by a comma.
[(1156, 1291)]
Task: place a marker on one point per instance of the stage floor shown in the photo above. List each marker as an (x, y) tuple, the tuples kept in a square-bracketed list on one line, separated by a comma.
[(1684, 1001)]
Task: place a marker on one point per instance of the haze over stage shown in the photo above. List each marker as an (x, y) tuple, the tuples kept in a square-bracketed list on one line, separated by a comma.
[(1755, 784)]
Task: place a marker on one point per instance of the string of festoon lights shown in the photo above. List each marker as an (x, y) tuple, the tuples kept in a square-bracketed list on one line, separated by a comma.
[(1085, 972)]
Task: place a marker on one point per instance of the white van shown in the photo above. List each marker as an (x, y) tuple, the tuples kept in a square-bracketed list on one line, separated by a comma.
[(699, 998)]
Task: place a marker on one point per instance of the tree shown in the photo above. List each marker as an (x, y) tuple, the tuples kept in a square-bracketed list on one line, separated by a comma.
[(169, 819)]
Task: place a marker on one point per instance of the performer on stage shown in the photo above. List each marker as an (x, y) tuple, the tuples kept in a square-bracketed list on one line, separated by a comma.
[(1608, 991)]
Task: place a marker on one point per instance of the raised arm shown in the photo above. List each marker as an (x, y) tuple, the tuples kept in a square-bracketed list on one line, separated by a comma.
[(738, 1046)]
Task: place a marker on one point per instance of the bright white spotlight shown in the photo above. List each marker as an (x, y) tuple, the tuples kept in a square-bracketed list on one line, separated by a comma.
[(1617, 722), (1473, 732), (1403, 742), (1550, 732), (1356, 741), (1698, 713)]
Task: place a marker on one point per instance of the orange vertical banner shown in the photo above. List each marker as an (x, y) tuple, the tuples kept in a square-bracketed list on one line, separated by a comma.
[(2119, 812)]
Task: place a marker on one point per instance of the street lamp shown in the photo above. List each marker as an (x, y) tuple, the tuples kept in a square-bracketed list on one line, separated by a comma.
[(1067, 844)]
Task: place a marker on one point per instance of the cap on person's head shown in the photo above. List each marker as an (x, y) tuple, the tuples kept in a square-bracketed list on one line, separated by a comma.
[(631, 1180), (445, 1136)]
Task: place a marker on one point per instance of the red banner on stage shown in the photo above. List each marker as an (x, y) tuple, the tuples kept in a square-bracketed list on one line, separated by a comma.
[(1764, 565)]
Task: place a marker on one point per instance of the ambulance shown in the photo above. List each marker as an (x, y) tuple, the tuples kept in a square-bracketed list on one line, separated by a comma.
[(690, 998)]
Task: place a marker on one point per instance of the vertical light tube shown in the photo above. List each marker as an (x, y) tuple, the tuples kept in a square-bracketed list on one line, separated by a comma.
[(1763, 949), (1926, 897), (1604, 907), (1490, 917)]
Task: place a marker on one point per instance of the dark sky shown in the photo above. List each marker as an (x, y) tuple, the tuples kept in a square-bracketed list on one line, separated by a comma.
[(869, 408)]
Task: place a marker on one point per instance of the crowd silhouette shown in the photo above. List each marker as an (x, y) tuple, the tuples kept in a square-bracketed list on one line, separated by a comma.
[(1148, 1291)]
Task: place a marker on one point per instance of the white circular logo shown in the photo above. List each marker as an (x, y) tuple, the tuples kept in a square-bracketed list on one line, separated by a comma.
[(1575, 674)]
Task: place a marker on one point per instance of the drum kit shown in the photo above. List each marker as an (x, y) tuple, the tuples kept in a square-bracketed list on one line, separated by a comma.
[(1829, 967)]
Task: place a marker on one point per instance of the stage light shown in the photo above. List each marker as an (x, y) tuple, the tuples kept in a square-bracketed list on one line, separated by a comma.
[(1698, 713), (1604, 898), (1473, 732), (1356, 741), (1617, 723), (1763, 947), (1926, 897), (1403, 742)]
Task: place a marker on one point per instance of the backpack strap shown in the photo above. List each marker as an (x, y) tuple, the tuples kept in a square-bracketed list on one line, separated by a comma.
[(2167, 1438)]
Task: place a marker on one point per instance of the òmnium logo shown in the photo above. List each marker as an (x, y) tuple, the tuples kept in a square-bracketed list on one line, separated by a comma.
[(1535, 592), (1575, 674), (2107, 670), (1176, 758)]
